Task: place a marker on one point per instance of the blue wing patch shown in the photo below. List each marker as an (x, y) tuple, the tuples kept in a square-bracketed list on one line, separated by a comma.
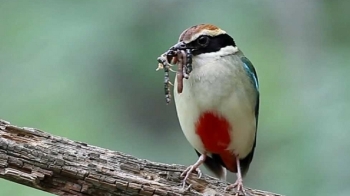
[(251, 71), (248, 66), (254, 78)]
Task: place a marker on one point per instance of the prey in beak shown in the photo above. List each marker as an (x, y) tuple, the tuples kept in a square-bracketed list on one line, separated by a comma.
[(180, 54)]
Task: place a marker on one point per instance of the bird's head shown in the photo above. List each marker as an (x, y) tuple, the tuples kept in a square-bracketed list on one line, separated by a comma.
[(207, 39), (198, 45)]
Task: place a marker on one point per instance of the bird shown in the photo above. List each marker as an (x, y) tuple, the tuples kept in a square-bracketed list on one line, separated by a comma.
[(218, 107)]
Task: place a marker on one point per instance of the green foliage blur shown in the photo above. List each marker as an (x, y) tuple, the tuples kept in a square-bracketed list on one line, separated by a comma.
[(85, 70)]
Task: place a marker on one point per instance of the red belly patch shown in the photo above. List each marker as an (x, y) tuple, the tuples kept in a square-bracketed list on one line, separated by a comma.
[(213, 130)]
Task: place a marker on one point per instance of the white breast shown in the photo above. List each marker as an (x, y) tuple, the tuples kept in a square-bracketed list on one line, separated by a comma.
[(218, 84)]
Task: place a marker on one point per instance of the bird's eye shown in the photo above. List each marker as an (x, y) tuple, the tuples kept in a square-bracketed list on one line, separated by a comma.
[(203, 41)]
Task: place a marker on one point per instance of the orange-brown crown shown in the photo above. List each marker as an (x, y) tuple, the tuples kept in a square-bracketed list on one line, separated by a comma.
[(194, 32)]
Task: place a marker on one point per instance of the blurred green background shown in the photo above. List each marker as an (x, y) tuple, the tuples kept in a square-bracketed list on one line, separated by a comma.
[(85, 70)]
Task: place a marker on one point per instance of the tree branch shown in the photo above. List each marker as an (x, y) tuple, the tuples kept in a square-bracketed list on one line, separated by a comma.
[(64, 167)]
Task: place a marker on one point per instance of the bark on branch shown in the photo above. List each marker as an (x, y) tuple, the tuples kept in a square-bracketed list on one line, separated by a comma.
[(64, 167)]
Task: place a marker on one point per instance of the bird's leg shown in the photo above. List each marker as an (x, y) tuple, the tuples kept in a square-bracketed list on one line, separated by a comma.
[(194, 167), (239, 182)]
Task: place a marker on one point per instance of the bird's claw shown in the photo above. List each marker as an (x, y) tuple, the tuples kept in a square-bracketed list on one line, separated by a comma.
[(239, 187), (199, 172), (194, 167), (186, 189), (187, 173), (190, 169)]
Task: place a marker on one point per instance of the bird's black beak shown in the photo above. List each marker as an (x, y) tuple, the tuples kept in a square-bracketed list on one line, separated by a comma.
[(179, 46), (183, 46)]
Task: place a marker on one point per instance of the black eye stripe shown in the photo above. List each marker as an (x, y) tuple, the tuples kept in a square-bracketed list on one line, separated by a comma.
[(215, 44)]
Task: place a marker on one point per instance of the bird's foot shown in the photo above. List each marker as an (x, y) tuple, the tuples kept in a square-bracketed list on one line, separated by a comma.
[(193, 168), (239, 187), (188, 171)]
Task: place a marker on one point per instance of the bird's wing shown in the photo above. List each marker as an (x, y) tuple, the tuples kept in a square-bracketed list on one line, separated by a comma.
[(251, 72), (245, 162)]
